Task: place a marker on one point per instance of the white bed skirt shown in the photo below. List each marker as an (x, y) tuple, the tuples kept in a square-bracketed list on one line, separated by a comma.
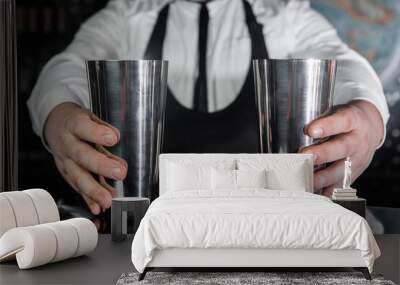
[(235, 257)]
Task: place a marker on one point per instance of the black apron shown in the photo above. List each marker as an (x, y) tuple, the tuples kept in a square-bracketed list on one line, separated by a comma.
[(233, 129)]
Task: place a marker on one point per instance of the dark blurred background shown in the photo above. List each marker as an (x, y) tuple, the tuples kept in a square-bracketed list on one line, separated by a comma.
[(46, 27)]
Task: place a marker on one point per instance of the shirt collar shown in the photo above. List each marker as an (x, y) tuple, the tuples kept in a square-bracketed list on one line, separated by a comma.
[(192, 7)]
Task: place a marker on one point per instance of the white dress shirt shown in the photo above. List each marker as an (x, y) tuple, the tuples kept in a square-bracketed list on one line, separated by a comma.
[(122, 30)]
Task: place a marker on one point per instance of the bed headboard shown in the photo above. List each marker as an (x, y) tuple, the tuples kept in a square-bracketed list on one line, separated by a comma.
[(273, 158)]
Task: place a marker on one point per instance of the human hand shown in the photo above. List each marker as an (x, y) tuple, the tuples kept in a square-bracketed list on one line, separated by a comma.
[(70, 132), (354, 130)]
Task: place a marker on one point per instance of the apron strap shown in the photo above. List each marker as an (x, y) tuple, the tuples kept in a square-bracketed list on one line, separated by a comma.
[(259, 48), (154, 47)]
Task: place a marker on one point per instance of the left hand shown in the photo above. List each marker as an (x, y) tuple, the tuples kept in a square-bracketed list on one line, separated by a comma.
[(354, 130)]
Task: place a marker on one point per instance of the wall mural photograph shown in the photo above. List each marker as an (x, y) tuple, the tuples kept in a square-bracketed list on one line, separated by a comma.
[(369, 26), (144, 139)]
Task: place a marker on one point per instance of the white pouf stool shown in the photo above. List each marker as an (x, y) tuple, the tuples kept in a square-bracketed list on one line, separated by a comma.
[(31, 231), (41, 244)]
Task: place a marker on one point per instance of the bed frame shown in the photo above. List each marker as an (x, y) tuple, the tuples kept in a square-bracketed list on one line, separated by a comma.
[(260, 259), (250, 259)]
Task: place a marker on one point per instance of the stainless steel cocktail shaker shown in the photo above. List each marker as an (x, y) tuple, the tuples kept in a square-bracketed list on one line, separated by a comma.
[(131, 96), (290, 93)]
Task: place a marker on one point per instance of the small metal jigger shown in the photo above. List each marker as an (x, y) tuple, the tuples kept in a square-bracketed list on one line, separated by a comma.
[(119, 215)]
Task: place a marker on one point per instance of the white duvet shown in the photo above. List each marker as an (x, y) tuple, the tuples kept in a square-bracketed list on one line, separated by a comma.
[(250, 219)]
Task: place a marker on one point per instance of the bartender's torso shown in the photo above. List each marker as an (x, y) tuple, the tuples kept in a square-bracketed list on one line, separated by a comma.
[(228, 46), (197, 129), (291, 29), (228, 122)]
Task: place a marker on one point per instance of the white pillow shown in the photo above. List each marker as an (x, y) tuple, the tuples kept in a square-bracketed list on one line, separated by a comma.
[(181, 178), (223, 179), (237, 179), (290, 172), (189, 174), (278, 180), (251, 178)]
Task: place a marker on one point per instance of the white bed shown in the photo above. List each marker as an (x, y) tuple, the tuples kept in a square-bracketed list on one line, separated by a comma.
[(249, 227)]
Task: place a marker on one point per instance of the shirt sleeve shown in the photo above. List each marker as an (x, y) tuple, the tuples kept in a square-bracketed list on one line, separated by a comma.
[(63, 78), (314, 36)]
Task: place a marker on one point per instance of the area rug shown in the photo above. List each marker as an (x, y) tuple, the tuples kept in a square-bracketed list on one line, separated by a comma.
[(244, 278)]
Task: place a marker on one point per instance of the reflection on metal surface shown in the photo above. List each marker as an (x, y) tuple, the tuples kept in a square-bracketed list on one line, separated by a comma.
[(290, 94), (8, 98), (131, 96)]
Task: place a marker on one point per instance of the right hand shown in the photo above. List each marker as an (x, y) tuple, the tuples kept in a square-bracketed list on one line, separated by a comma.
[(70, 132)]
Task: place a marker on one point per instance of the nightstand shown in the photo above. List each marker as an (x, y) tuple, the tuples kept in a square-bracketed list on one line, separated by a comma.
[(357, 205), (119, 215)]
